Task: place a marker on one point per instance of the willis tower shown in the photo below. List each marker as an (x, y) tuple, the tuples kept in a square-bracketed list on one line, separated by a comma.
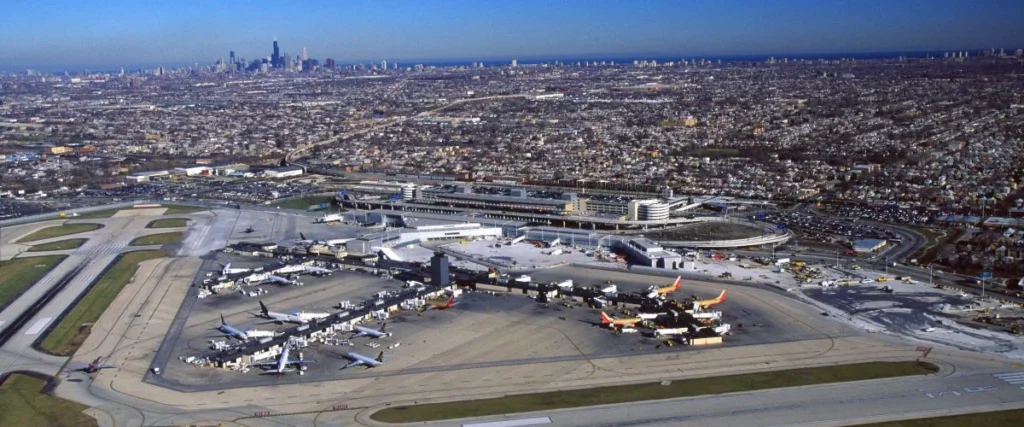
[(275, 59)]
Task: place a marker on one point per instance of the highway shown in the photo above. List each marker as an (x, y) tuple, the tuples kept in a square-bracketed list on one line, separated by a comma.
[(292, 155)]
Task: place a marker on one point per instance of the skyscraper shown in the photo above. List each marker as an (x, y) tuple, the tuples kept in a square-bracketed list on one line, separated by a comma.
[(305, 54), (383, 64), (515, 63), (275, 59)]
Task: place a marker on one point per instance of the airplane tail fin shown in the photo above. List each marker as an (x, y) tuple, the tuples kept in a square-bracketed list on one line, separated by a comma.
[(263, 308), (605, 319), (721, 297), (383, 326), (303, 236), (380, 357), (678, 283), (450, 303), (222, 322)]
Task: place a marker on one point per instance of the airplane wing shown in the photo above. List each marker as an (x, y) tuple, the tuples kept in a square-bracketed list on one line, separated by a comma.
[(354, 363), (270, 363)]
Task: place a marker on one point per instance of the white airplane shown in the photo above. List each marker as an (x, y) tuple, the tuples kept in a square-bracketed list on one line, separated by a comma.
[(288, 269), (329, 218), (362, 331), (280, 280), (318, 271), (358, 359), (295, 317), (230, 331), (282, 363), (246, 335), (227, 270)]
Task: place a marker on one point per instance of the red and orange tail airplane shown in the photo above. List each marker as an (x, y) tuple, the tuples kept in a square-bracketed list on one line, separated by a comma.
[(443, 305), (619, 323), (670, 288), (710, 302)]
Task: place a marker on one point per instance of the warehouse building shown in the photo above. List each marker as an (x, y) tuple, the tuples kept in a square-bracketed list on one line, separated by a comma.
[(868, 245), (285, 172)]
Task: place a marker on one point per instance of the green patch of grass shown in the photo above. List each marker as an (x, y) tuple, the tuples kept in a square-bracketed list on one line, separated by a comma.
[(987, 419), (18, 274), (75, 326), (168, 223), (303, 203), (157, 239), (181, 210), (60, 245), (98, 214), (651, 391), (58, 231), (22, 403)]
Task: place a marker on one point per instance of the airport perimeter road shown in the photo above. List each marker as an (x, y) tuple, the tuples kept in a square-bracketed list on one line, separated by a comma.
[(823, 405)]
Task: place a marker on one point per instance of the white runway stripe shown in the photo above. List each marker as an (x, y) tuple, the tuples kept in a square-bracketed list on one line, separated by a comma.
[(38, 326)]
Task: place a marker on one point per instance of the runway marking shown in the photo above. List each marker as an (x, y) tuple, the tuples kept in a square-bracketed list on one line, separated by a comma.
[(512, 423), (38, 326), (1015, 378)]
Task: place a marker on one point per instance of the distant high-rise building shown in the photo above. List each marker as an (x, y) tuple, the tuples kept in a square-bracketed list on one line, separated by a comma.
[(305, 54), (383, 64), (275, 58), (329, 63), (1020, 52), (515, 63)]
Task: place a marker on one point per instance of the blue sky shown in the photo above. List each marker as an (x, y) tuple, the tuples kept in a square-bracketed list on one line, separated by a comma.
[(110, 33)]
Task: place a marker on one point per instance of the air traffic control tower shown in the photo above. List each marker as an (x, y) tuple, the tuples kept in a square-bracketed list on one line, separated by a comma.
[(439, 270)]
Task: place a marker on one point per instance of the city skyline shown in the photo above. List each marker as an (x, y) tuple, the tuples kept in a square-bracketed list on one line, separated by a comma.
[(165, 34)]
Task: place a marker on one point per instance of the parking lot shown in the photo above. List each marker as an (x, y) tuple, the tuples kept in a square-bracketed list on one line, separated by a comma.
[(829, 230)]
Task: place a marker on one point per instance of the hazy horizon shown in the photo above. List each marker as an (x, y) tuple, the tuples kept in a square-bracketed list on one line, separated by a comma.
[(65, 35)]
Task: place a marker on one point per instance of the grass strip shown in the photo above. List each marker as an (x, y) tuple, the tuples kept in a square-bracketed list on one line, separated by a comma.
[(58, 231), (651, 391), (168, 223), (98, 214), (75, 326), (157, 239), (303, 203), (987, 419), (60, 245), (22, 403), (19, 274)]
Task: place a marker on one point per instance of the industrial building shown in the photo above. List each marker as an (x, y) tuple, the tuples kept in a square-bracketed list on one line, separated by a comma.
[(868, 245), (284, 172), (403, 228), (649, 253)]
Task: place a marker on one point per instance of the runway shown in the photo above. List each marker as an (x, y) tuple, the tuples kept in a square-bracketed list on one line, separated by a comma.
[(824, 405), (76, 273)]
